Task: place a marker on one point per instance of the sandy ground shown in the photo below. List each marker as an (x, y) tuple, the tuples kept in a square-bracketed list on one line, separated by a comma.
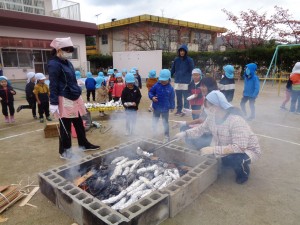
[(271, 196)]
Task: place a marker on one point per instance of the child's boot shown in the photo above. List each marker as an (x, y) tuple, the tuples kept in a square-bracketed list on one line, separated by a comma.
[(6, 119), (12, 119)]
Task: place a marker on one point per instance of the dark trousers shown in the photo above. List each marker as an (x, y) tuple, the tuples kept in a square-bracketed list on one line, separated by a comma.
[(251, 104), (130, 120), (110, 96), (182, 103), (43, 108), (195, 107), (88, 94), (165, 120), (10, 106), (199, 142), (65, 141), (31, 105), (295, 98), (239, 162)]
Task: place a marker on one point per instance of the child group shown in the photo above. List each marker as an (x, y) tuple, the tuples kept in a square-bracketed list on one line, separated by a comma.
[(36, 92), (125, 87)]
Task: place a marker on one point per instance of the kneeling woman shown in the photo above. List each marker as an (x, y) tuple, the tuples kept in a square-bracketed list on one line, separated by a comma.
[(236, 143)]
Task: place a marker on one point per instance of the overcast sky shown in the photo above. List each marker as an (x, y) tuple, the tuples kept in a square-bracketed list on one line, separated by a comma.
[(199, 11)]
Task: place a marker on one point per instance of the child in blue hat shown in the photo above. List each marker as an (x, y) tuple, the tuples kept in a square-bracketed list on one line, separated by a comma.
[(162, 95)]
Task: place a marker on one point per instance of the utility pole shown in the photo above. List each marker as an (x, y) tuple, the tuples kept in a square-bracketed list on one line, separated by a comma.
[(97, 15)]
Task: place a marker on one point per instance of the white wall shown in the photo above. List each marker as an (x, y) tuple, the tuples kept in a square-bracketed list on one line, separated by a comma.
[(77, 39), (143, 60)]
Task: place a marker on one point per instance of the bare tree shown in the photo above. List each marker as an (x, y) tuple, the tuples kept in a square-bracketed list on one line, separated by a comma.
[(289, 28)]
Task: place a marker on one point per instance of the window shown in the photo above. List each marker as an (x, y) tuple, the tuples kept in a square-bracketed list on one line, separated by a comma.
[(25, 58), (10, 57), (104, 39)]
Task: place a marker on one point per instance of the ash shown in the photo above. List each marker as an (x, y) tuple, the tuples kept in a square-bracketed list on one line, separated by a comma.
[(124, 180)]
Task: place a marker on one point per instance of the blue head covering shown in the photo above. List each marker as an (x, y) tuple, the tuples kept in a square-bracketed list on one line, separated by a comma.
[(252, 67), (152, 74), (100, 74), (5, 78), (99, 81), (77, 74), (124, 70), (229, 71), (89, 75)]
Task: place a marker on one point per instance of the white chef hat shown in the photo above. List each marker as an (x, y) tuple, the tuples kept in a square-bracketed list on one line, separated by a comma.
[(59, 43)]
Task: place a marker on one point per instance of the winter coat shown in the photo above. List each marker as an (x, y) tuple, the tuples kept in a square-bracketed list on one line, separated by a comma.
[(6, 95), (182, 67), (251, 82), (29, 90), (42, 91), (139, 80), (165, 95), (90, 84), (295, 78), (131, 95), (227, 87), (117, 89), (62, 80), (195, 89), (102, 95), (150, 82)]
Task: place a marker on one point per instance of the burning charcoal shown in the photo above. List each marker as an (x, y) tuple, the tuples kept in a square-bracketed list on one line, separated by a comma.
[(111, 190), (149, 175), (95, 186), (130, 178), (121, 180)]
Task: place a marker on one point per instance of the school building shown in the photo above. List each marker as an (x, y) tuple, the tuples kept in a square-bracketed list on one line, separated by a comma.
[(148, 32), (27, 28)]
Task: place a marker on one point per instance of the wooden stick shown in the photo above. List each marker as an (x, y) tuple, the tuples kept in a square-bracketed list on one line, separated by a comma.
[(80, 180), (29, 196)]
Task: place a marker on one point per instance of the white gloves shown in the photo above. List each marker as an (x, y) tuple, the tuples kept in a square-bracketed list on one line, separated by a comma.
[(207, 150), (54, 109), (191, 97), (127, 104), (180, 135), (187, 112)]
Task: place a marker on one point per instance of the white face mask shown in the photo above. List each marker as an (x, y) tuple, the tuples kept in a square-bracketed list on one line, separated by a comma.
[(66, 55)]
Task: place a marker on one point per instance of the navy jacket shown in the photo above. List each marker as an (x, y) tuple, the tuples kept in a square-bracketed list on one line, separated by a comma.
[(165, 95), (62, 80), (131, 95), (227, 87), (29, 90), (6, 95), (182, 67)]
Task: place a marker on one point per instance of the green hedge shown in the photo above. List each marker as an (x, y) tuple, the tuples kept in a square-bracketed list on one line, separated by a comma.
[(286, 59)]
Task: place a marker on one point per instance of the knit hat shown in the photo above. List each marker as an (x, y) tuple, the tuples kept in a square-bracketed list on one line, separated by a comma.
[(217, 98), (229, 71), (59, 43), (296, 68)]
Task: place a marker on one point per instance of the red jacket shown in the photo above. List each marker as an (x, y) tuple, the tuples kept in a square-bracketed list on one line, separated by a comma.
[(195, 89), (117, 89)]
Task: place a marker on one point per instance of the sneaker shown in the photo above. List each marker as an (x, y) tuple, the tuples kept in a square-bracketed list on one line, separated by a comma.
[(67, 155), (283, 108), (6, 119), (19, 108), (49, 118), (182, 114), (35, 117), (90, 147), (12, 119), (177, 114), (150, 110), (41, 120)]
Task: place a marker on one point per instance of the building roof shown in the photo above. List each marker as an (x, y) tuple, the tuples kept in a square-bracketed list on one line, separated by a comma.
[(32, 21), (161, 20)]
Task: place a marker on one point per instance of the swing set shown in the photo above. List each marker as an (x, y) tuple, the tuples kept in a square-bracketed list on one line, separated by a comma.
[(273, 65)]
